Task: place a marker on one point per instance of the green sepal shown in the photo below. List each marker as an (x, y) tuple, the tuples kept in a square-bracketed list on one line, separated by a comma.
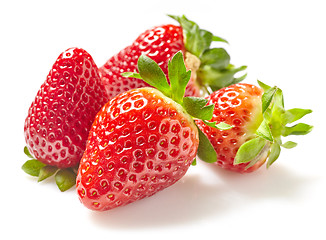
[(249, 151), (279, 101), (272, 128), (216, 58), (289, 144), (264, 86), (152, 74), (194, 162), (46, 171), (131, 75), (298, 129), (219, 126), (206, 151), (274, 154), (241, 78), (264, 131), (196, 40), (218, 79), (267, 98), (27, 153), (219, 39), (33, 167), (294, 114), (65, 179), (215, 69), (197, 108), (178, 76)]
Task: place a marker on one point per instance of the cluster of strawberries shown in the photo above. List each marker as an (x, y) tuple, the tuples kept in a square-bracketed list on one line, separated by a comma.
[(135, 125)]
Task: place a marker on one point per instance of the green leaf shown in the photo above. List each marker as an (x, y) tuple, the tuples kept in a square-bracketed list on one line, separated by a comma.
[(279, 100), (194, 162), (46, 172), (179, 77), (276, 117), (65, 179), (218, 79), (217, 58), (289, 144), (216, 74), (249, 150), (298, 129), (219, 39), (277, 111), (151, 73), (196, 40), (197, 108), (268, 115), (241, 78), (274, 154), (267, 98), (131, 74), (219, 126), (294, 114), (204, 41), (27, 152), (206, 151), (264, 131), (264, 86), (33, 167)]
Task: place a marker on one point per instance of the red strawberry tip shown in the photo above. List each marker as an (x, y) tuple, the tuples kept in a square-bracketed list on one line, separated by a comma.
[(268, 140)]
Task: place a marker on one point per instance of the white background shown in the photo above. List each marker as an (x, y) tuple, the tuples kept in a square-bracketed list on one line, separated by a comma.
[(281, 42)]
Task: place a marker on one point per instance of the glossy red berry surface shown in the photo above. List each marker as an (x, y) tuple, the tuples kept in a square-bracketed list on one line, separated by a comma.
[(158, 43), (240, 106), (140, 143), (59, 119)]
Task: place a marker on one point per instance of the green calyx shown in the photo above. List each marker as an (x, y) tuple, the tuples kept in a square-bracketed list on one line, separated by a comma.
[(273, 128), (215, 69), (64, 178), (179, 76)]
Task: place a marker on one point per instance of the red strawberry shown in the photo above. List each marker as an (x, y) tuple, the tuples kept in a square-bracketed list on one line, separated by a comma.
[(141, 141), (259, 121), (210, 67), (60, 117)]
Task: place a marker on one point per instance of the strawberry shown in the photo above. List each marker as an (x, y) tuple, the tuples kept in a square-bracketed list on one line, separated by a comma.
[(141, 141), (259, 122), (211, 68), (59, 119)]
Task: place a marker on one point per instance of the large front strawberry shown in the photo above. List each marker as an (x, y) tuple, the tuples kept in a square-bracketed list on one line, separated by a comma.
[(141, 141), (259, 122), (210, 67), (59, 119)]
